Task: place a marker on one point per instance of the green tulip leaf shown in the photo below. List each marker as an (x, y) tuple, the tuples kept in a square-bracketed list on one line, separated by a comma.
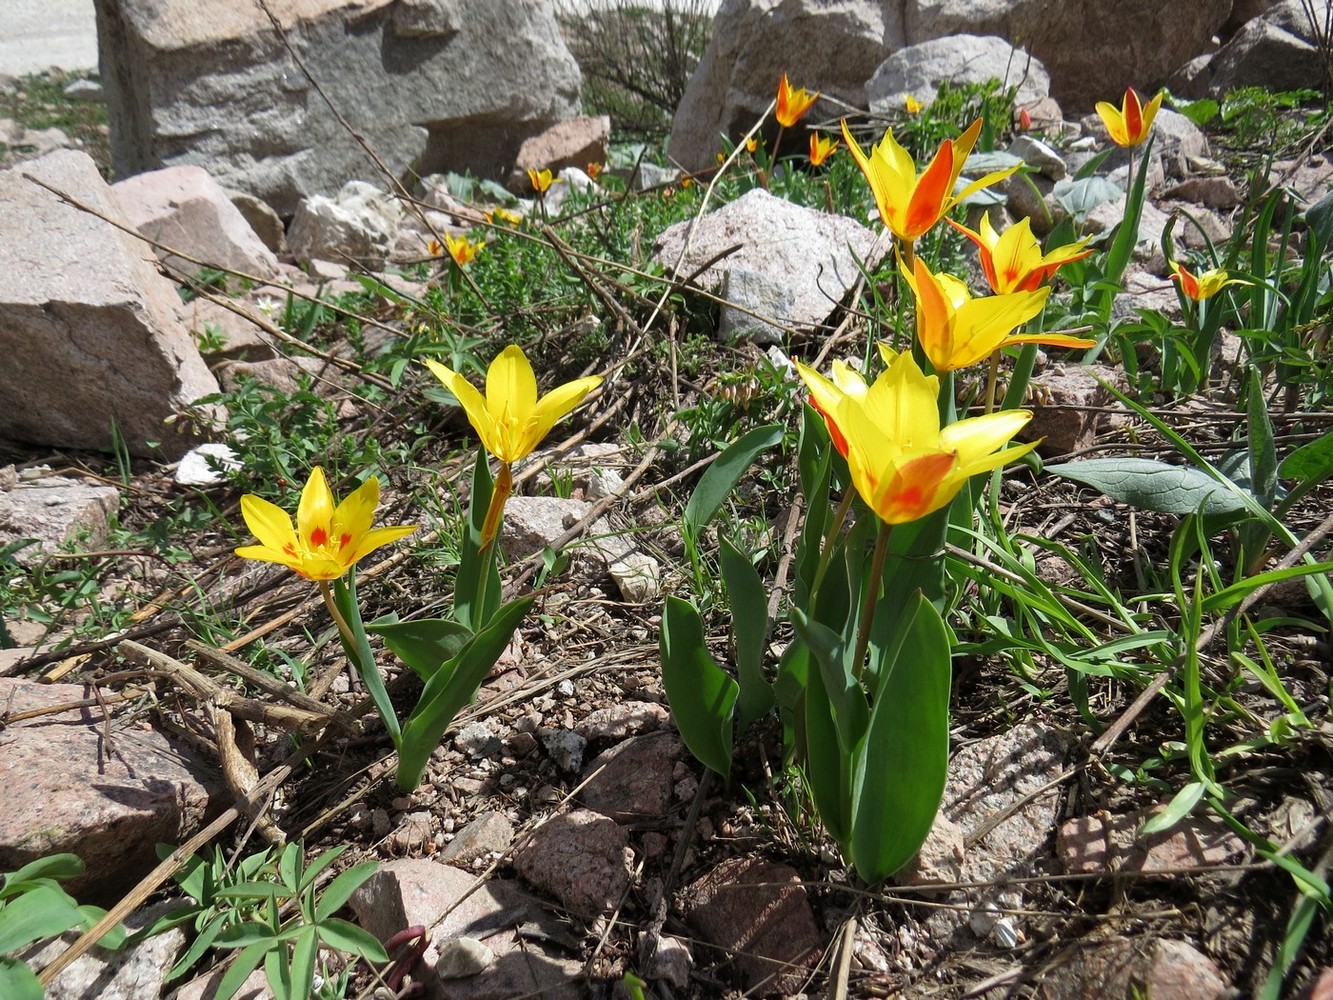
[(424, 644), (702, 695), (1152, 485), (1311, 463), (901, 770), (749, 630), (722, 476), (451, 688)]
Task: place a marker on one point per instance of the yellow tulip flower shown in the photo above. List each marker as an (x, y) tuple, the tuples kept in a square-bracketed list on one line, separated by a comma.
[(956, 330), (462, 249), (1013, 260), (793, 103), (903, 465), (910, 204), (1129, 124), (821, 148), (912, 106), (1203, 285), (326, 541), (510, 419), (541, 180), (826, 393)]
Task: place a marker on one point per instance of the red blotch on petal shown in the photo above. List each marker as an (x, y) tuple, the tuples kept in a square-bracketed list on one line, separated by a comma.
[(318, 537), (344, 541)]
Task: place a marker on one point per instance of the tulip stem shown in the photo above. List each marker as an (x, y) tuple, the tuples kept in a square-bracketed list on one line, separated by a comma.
[(871, 598), (338, 618), (773, 160), (992, 378), (839, 516)]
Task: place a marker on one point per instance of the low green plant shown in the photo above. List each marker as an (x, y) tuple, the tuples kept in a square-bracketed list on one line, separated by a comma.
[(33, 906), (276, 917)]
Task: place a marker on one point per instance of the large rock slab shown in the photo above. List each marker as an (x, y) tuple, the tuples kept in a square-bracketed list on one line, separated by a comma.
[(918, 71), (432, 85), (1277, 51), (812, 254), (88, 328), (53, 510), (1093, 51), (184, 208), (831, 47), (82, 782)]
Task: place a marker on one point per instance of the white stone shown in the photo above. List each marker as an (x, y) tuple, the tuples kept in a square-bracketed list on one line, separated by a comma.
[(200, 466)]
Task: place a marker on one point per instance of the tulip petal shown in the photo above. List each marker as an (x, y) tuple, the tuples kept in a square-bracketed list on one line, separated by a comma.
[(927, 202), (268, 522), (976, 437), (474, 405), (314, 514), (377, 537), (511, 386), (553, 407), (1050, 340)]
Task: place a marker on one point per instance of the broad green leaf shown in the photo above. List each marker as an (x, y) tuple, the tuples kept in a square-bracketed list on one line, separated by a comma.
[(701, 694), (477, 583), (340, 890), (304, 950), (721, 477), (361, 656), (1152, 485), (851, 714), (1080, 196), (279, 976), (749, 629), (451, 688), (18, 982), (827, 768), (1310, 463), (901, 772), (1181, 805), (1200, 112), (423, 643), (313, 870), (242, 965), (42, 912), (349, 938), (244, 934), (1262, 450), (56, 866), (1127, 233)]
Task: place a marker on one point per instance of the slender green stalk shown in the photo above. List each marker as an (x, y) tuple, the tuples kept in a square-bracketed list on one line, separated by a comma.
[(835, 529), (327, 593), (992, 377), (871, 598)]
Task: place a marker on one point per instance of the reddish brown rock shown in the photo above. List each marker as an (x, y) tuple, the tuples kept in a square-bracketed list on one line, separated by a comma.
[(580, 857), (1104, 843), (634, 780), (758, 913), (94, 785), (575, 142), (1120, 967)]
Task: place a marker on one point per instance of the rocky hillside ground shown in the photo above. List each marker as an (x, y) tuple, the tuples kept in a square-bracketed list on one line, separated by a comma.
[(1116, 657)]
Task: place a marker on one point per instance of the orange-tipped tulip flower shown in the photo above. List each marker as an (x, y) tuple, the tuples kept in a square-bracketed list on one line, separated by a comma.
[(510, 419), (1013, 260), (956, 330), (821, 148), (1203, 285), (326, 540), (793, 102), (1129, 124), (903, 465), (910, 204), (541, 180), (462, 249), (825, 394)]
